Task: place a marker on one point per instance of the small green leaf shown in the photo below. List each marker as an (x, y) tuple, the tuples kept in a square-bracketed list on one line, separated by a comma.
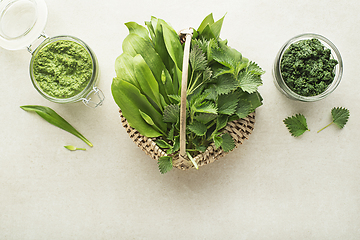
[(52, 117), (162, 144), (254, 69), (171, 113), (205, 117), (228, 103), (147, 118), (243, 109), (296, 124), (72, 148), (249, 82), (218, 140), (340, 117), (201, 148), (198, 128), (165, 164), (228, 143)]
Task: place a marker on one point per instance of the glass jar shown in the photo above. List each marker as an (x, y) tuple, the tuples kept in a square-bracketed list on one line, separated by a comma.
[(280, 83), (22, 23)]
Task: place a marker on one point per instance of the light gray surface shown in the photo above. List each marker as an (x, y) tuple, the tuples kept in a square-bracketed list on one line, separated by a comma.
[(274, 186)]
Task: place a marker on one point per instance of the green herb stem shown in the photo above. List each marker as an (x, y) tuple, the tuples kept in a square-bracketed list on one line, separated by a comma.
[(325, 127)]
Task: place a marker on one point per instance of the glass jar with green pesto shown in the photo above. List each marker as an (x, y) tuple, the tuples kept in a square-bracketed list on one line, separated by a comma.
[(63, 69), (307, 68)]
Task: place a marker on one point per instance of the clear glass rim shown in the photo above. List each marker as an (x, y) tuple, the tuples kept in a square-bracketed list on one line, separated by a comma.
[(89, 86), (279, 81)]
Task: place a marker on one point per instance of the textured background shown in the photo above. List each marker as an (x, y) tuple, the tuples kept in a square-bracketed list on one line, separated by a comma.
[(274, 186)]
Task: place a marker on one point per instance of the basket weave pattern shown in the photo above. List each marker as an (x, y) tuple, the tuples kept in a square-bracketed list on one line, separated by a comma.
[(239, 130)]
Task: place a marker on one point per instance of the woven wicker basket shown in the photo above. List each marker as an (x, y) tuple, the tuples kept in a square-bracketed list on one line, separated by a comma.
[(238, 129)]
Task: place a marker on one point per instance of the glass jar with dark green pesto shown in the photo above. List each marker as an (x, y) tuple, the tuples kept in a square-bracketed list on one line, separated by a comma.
[(63, 69), (307, 68)]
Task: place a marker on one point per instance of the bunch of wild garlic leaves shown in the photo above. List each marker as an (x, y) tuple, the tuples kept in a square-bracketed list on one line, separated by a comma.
[(222, 86)]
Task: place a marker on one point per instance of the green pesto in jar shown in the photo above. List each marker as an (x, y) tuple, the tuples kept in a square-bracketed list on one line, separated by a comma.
[(62, 69), (307, 67)]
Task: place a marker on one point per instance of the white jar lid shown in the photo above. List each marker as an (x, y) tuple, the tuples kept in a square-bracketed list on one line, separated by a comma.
[(21, 22)]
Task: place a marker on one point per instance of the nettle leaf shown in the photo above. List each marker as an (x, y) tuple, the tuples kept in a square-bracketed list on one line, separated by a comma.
[(201, 148), (296, 124), (227, 104), (219, 56), (198, 128), (228, 143), (171, 113), (175, 97), (165, 164), (249, 82), (340, 116), (205, 117), (243, 109), (218, 140), (197, 59), (207, 107), (221, 122), (224, 84), (254, 69)]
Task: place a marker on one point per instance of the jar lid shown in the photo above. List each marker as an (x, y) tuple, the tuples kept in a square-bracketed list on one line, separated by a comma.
[(21, 22)]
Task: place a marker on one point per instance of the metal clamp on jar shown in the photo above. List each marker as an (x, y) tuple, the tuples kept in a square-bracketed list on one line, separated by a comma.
[(22, 23)]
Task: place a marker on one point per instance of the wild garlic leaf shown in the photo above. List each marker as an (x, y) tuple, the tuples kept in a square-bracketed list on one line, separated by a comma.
[(165, 164), (198, 128), (340, 117), (249, 82), (228, 143), (171, 113), (296, 124), (52, 117)]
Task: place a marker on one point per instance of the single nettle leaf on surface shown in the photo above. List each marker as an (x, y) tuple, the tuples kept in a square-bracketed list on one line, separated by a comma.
[(340, 117), (296, 124), (165, 164)]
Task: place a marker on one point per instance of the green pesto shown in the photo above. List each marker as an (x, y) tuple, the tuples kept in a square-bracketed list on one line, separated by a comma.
[(62, 68), (307, 67)]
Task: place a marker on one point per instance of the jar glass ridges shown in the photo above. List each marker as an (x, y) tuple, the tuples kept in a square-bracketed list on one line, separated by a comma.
[(280, 83)]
